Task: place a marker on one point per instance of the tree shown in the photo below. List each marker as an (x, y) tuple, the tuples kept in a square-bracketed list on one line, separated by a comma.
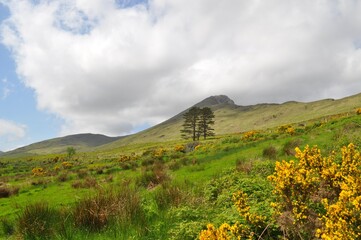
[(206, 119), (190, 123), (71, 152), (197, 122)]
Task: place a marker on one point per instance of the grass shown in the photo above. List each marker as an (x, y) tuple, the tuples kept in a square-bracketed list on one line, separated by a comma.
[(163, 194)]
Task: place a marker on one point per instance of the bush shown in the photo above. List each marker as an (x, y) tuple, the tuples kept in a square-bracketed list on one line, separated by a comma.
[(242, 165), (89, 182), (150, 177), (6, 192), (270, 152), (63, 177), (38, 221), (168, 195), (123, 207), (289, 147)]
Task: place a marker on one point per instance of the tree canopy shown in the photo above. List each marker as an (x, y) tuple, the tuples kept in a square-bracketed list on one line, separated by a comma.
[(197, 122)]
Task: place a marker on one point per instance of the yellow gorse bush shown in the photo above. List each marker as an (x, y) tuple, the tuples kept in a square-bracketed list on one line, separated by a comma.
[(67, 165), (250, 135), (315, 197), (38, 171), (179, 148), (237, 230), (358, 111), (319, 196)]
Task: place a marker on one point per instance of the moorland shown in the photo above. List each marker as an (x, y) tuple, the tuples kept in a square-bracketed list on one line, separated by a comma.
[(272, 171)]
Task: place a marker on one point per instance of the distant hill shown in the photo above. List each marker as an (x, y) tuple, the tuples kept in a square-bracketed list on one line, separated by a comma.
[(81, 142), (232, 118), (1, 153), (229, 118)]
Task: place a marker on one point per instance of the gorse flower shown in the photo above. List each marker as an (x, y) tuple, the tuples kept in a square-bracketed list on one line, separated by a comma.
[(316, 197)]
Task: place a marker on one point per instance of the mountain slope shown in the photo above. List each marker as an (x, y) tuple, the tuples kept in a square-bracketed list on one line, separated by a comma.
[(81, 142), (231, 118)]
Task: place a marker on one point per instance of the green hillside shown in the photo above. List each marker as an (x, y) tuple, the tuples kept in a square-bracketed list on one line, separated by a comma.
[(81, 142), (231, 118), (174, 189)]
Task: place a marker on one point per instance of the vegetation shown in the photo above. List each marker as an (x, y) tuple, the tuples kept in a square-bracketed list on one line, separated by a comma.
[(259, 184), (197, 122)]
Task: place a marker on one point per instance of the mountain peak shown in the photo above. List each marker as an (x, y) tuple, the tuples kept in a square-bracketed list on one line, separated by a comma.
[(215, 100)]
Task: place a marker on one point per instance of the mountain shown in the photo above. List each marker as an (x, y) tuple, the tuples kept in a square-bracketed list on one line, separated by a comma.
[(229, 118), (232, 118), (1, 153), (81, 142)]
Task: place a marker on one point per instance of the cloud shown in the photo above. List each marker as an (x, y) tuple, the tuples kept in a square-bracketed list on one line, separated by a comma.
[(10, 132), (111, 66)]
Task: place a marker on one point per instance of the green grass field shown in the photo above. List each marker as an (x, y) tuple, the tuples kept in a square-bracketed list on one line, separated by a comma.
[(166, 190)]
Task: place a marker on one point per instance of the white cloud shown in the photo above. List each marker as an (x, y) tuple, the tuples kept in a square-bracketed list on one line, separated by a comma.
[(108, 69), (10, 132)]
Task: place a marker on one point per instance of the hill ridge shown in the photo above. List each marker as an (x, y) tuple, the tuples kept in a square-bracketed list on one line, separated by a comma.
[(230, 118)]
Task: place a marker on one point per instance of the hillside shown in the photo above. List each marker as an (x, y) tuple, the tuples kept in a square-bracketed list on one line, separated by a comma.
[(229, 118), (81, 142), (232, 118)]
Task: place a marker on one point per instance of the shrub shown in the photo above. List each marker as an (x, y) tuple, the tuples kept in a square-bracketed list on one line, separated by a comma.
[(150, 177), (250, 135), (63, 177), (289, 147), (180, 148), (97, 212), (168, 195), (242, 165), (129, 165), (38, 221), (315, 197), (88, 182), (174, 165), (270, 152), (82, 173), (5, 192), (38, 171), (67, 165)]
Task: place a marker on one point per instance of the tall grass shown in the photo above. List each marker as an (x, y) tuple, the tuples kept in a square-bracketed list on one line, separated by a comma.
[(38, 221), (121, 207)]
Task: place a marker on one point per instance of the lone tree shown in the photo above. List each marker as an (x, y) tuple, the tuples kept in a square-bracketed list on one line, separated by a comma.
[(71, 152), (206, 119), (190, 123), (197, 122)]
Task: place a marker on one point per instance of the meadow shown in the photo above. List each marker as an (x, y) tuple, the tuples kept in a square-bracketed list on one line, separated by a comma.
[(229, 186)]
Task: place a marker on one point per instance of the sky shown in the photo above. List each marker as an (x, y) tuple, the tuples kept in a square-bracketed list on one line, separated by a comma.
[(116, 67)]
